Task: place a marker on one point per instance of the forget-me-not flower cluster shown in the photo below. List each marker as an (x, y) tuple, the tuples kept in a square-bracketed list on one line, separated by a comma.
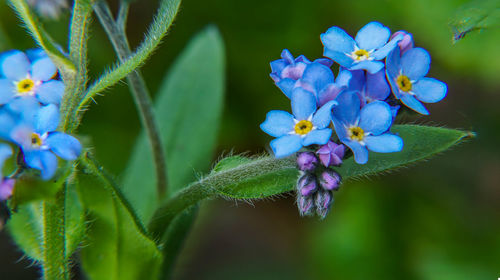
[(379, 73), (30, 94)]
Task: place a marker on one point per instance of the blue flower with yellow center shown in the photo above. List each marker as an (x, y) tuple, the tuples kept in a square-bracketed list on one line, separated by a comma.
[(33, 128), (406, 75), (308, 125), (364, 52), (363, 129), (20, 76)]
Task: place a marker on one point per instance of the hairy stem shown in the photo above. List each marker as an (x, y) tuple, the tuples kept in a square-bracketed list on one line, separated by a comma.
[(55, 264), (137, 85)]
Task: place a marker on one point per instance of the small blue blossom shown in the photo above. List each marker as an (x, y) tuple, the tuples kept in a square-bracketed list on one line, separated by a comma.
[(406, 75), (364, 129), (32, 127), (20, 76), (305, 127), (371, 87), (364, 52), (288, 70)]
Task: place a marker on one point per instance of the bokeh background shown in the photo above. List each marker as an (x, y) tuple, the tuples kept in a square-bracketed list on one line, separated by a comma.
[(436, 220)]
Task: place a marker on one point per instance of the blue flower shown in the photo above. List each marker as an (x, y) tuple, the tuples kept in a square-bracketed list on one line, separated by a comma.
[(305, 127), (288, 70), (364, 129), (363, 52), (371, 87), (406, 77), (32, 127), (20, 76)]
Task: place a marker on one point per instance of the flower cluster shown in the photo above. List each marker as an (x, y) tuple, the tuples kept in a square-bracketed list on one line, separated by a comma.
[(30, 94), (354, 110)]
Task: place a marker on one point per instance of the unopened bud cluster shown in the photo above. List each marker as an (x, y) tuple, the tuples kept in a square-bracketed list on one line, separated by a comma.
[(317, 180)]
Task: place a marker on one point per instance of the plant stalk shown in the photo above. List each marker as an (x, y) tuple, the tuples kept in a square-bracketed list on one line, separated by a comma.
[(138, 88)]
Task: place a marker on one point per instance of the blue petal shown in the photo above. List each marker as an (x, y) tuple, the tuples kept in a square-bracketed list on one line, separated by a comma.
[(50, 92), (287, 56), (375, 117), (64, 145), (25, 108), (278, 123), (412, 103), (337, 40), (340, 129), (277, 66), (329, 93), (15, 65), (8, 123), (347, 112), (32, 158), (385, 143), (358, 80), (385, 50), (317, 136), (393, 64), (372, 36), (343, 78), (303, 104), (317, 75), (286, 145), (415, 63), (339, 57), (376, 86), (370, 66), (323, 116), (325, 61), (34, 54), (6, 91), (47, 119), (360, 152), (43, 69), (429, 90), (49, 164), (286, 86)]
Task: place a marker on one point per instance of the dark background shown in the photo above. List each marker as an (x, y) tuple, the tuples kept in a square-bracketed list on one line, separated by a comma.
[(435, 220)]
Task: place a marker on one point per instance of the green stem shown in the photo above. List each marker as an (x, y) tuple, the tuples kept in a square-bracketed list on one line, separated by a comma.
[(55, 264), (209, 187), (137, 85)]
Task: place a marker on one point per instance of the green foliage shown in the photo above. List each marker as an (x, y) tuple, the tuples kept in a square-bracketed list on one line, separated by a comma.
[(117, 246), (158, 29), (189, 107), (474, 16), (240, 178)]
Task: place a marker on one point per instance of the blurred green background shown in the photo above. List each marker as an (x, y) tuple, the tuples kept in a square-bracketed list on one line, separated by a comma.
[(436, 220)]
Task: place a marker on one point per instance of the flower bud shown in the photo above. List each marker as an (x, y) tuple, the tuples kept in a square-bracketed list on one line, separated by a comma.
[(329, 180), (331, 154), (6, 188), (307, 161), (305, 205), (323, 200), (406, 43), (307, 185)]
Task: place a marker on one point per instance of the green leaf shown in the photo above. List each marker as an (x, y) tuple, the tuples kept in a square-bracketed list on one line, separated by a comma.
[(158, 29), (475, 16), (263, 177), (189, 106), (5, 42), (26, 225), (117, 246), (42, 38)]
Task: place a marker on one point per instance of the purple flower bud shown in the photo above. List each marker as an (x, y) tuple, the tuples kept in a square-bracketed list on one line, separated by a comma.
[(307, 161), (329, 180), (323, 200), (305, 205), (307, 185), (406, 43), (331, 154), (6, 188)]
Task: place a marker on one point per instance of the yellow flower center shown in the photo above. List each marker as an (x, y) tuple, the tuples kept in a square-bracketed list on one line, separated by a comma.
[(303, 127), (25, 86), (36, 141), (356, 133), (361, 54), (404, 83)]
